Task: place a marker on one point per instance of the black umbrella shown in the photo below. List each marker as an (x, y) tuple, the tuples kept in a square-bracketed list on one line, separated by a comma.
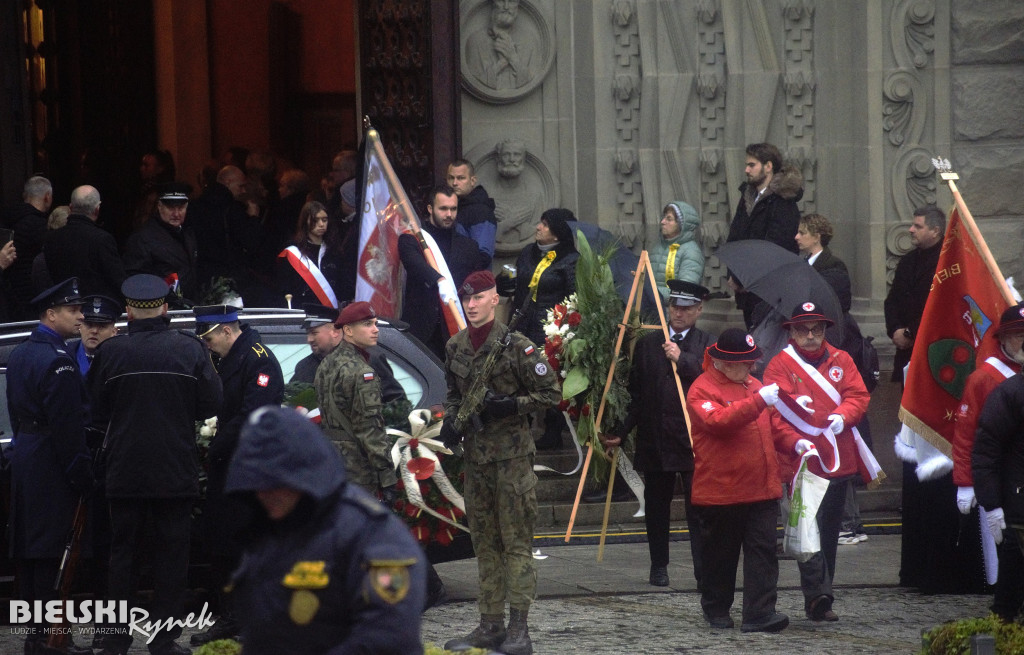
[(751, 259)]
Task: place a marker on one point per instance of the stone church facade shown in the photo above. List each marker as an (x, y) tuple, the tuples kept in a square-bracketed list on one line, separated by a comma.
[(614, 107)]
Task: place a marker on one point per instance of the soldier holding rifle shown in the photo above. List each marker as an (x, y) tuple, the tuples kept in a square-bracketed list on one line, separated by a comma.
[(501, 499)]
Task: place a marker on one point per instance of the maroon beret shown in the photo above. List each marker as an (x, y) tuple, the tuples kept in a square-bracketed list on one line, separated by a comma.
[(355, 312), (477, 282)]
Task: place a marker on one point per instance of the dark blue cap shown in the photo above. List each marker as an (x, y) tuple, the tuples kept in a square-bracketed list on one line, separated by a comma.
[(65, 293), (101, 309), (317, 315), (174, 193), (144, 291), (685, 294), (209, 317)]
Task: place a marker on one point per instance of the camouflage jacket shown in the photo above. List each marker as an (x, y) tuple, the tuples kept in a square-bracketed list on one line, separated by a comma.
[(522, 372), (348, 392)]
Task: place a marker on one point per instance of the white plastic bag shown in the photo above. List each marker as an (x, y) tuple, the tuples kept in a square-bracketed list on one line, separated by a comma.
[(801, 538)]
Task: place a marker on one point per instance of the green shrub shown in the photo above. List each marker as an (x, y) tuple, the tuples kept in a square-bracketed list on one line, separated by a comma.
[(221, 647), (954, 638)]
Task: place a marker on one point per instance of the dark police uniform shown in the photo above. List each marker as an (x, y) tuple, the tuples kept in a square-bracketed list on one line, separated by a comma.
[(50, 463), (151, 386), (95, 309), (251, 377), (339, 573)]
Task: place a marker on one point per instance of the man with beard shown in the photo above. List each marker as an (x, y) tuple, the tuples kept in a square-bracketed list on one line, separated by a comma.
[(421, 306), (476, 210), (501, 57), (516, 204), (767, 210)]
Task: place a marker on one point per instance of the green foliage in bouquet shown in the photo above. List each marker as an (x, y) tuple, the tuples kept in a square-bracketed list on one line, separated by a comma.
[(222, 290), (954, 638), (300, 394), (220, 647)]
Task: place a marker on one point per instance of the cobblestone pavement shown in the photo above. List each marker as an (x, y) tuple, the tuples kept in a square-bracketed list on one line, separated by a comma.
[(585, 606)]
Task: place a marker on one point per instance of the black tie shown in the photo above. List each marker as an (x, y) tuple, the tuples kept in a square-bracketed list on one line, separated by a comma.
[(677, 338)]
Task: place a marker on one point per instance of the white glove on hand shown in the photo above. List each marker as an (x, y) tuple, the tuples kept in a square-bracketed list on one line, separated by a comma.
[(835, 423), (965, 499), (803, 446), (996, 524), (770, 394), (804, 401)]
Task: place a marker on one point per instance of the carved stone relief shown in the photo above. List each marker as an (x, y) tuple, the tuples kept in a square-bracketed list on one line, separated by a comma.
[(520, 180), (626, 95), (798, 83), (507, 49)]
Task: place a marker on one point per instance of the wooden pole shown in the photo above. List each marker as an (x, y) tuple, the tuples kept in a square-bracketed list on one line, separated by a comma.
[(979, 241)]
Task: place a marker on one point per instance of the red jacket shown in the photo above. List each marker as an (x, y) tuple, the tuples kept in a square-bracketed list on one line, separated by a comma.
[(979, 385), (853, 403), (735, 441)]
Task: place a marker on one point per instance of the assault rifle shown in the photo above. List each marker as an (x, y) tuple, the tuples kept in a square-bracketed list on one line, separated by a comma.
[(473, 399), (60, 634)]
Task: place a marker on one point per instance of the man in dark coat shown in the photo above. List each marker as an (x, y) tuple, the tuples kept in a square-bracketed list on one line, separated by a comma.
[(50, 464), (421, 306), (251, 377), (662, 440), (149, 388), (476, 210), (767, 210), (323, 336), (225, 234), (28, 220), (165, 247), (84, 249), (328, 568), (911, 282)]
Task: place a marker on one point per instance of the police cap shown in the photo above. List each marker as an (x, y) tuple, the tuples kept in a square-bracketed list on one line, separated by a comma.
[(317, 315), (65, 293), (144, 291), (101, 309), (174, 193), (210, 317), (685, 294)]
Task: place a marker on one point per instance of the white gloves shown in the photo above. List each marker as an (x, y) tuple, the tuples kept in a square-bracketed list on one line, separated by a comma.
[(965, 499), (803, 446), (996, 524), (804, 401), (770, 394), (835, 423)]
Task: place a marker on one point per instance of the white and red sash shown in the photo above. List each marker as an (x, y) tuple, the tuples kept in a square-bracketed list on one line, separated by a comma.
[(869, 468), (310, 274), (1000, 366)]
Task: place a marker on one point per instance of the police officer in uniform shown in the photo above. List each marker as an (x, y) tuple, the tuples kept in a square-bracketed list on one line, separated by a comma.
[(328, 568), (251, 377), (323, 336), (50, 463), (501, 498), (150, 387), (99, 323), (348, 393)]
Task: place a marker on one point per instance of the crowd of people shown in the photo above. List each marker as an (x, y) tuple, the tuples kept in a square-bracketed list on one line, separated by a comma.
[(296, 518)]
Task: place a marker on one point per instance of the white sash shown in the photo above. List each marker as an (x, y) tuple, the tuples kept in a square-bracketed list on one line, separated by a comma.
[(1000, 366), (298, 259)]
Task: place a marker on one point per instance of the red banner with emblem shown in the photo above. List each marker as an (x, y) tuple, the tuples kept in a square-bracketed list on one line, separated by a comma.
[(967, 297)]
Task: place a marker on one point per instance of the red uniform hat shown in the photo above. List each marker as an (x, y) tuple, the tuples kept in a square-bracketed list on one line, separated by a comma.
[(357, 311), (477, 282)]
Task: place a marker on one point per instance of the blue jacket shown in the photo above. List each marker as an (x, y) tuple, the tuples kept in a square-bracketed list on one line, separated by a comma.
[(340, 573)]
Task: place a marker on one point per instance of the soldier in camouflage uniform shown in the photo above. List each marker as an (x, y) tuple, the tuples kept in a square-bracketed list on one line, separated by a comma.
[(501, 499), (348, 392)]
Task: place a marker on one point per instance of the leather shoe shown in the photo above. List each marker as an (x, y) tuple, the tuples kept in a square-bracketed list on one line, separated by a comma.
[(820, 609), (720, 622), (776, 622), (659, 576), (619, 495)]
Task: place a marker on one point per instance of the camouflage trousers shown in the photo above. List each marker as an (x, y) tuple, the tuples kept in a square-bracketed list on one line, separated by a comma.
[(357, 464), (501, 505)]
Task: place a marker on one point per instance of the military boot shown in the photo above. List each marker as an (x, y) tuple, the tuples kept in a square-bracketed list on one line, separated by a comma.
[(517, 641), (489, 634)]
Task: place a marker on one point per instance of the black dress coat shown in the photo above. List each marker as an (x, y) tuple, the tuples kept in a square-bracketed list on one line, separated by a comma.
[(160, 249), (907, 296), (556, 283), (85, 250)]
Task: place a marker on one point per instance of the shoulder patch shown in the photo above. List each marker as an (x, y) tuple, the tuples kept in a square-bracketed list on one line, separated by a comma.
[(707, 406), (389, 579), (368, 376), (835, 373), (541, 368), (66, 368), (263, 379), (529, 350)]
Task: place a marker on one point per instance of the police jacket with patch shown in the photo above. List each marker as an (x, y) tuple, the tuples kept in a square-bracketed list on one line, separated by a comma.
[(662, 441), (522, 372), (348, 393), (998, 458), (151, 386), (338, 575), (46, 402), (252, 378), (160, 249)]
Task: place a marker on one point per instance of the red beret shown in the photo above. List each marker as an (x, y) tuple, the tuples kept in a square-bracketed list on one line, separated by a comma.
[(477, 282), (355, 312)]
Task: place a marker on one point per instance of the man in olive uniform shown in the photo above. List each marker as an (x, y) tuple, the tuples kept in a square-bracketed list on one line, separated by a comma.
[(348, 393), (251, 377), (150, 387), (501, 498), (50, 463)]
